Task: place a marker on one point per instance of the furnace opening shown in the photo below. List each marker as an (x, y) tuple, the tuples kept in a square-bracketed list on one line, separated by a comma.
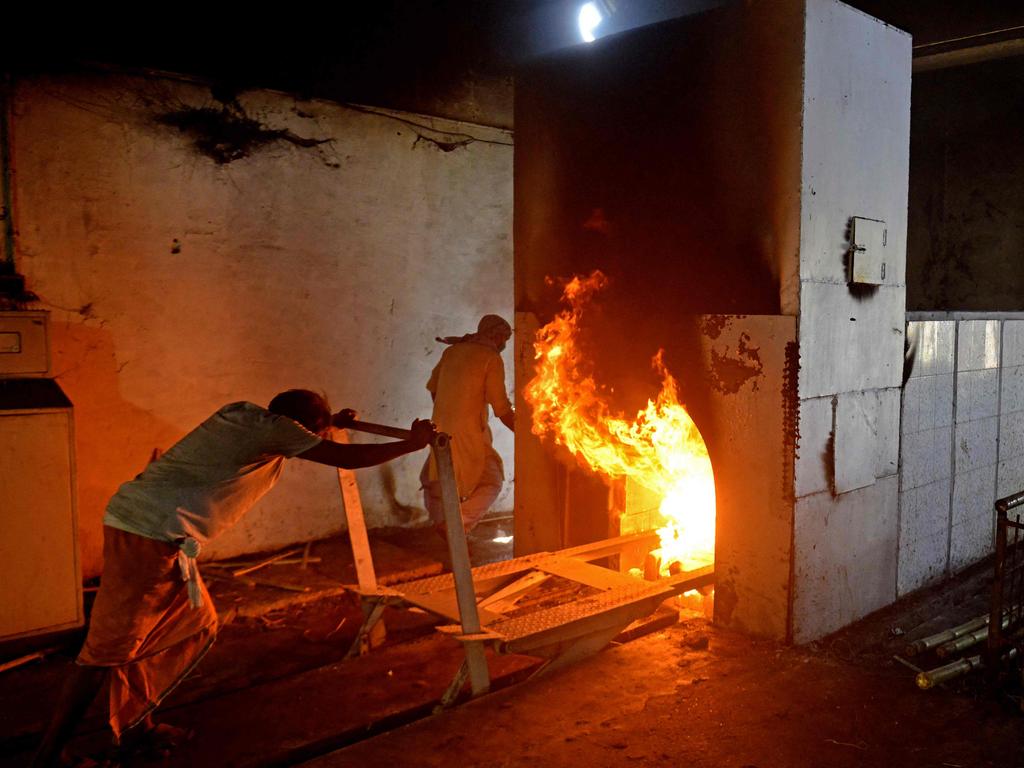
[(656, 463)]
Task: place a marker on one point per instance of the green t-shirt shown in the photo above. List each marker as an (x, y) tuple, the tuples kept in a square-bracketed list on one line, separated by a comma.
[(211, 477)]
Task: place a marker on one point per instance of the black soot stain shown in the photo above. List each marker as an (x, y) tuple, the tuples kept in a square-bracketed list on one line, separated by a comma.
[(227, 134), (729, 372), (713, 325)]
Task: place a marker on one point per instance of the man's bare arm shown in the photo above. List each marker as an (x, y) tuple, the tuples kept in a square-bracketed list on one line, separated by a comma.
[(358, 455), (509, 419)]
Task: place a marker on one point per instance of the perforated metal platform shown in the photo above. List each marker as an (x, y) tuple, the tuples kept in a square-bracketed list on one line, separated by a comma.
[(557, 616), (560, 617), (559, 633), (446, 581)]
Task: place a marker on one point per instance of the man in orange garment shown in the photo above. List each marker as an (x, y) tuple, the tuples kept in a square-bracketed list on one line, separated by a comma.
[(469, 378), (153, 619)]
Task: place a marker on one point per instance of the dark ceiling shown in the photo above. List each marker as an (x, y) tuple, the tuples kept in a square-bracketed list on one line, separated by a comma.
[(444, 57)]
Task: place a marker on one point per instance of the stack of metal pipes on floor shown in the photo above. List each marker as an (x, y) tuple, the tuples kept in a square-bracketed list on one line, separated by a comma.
[(1002, 630), (947, 644)]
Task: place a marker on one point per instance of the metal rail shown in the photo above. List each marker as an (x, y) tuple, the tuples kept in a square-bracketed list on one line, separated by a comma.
[(379, 429)]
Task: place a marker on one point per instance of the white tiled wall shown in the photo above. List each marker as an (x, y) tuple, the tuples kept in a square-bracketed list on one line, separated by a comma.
[(926, 447), (844, 562), (1010, 473), (814, 460), (824, 449), (961, 443), (854, 157), (976, 439), (871, 332)]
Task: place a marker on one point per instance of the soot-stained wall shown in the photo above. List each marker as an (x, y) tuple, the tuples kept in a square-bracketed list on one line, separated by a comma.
[(712, 166), (966, 237), (667, 158), (194, 253)]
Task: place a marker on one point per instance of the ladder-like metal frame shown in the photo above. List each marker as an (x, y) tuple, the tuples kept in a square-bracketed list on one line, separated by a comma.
[(374, 597), (559, 634)]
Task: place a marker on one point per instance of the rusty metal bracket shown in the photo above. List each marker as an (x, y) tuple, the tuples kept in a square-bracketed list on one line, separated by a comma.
[(372, 631)]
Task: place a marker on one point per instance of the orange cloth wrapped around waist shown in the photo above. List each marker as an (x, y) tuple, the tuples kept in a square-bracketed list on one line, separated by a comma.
[(143, 626)]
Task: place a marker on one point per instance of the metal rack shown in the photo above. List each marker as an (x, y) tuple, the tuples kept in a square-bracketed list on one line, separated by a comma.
[(1006, 614)]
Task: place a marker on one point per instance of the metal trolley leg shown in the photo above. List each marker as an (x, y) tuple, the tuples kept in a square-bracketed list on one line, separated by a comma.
[(458, 550)]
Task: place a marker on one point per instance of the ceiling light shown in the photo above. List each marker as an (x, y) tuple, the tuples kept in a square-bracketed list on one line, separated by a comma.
[(589, 19)]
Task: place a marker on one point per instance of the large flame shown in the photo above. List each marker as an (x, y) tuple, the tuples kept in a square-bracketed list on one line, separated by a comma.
[(660, 449)]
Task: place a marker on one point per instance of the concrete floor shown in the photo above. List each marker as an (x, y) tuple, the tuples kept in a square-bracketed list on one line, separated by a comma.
[(692, 696), (275, 691)]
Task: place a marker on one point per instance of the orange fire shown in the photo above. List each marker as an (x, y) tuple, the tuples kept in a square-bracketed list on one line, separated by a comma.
[(660, 449)]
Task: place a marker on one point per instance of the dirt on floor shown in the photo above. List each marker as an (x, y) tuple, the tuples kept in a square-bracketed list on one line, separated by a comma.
[(277, 690), (695, 696)]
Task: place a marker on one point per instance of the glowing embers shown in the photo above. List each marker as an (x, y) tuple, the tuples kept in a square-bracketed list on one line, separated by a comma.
[(660, 449)]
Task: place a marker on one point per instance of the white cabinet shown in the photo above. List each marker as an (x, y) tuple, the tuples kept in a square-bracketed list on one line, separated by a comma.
[(40, 576)]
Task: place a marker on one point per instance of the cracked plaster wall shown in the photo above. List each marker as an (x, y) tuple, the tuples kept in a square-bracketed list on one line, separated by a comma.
[(177, 283)]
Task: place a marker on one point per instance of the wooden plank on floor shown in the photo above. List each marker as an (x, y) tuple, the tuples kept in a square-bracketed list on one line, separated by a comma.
[(585, 573)]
